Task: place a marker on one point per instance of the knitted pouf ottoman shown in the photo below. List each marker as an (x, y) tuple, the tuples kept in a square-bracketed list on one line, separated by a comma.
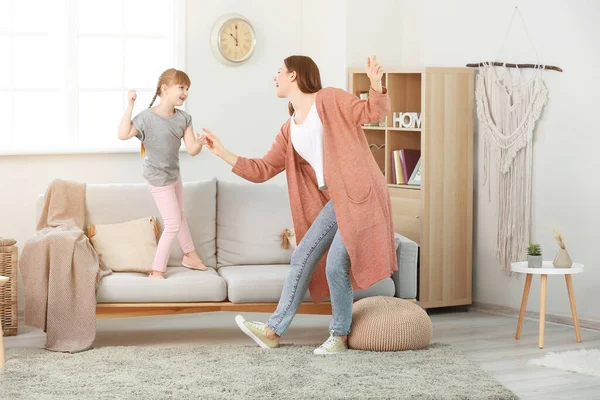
[(384, 323)]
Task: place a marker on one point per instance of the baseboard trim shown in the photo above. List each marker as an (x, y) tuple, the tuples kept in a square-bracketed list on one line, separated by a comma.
[(514, 312), (505, 311)]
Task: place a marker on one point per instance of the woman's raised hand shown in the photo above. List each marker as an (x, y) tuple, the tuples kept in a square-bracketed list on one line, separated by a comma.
[(375, 73)]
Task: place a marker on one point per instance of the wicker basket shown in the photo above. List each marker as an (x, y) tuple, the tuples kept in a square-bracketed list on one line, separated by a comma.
[(8, 293)]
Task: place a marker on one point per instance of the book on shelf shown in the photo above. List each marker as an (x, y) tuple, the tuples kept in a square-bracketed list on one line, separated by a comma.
[(399, 178), (393, 167), (409, 159), (403, 163)]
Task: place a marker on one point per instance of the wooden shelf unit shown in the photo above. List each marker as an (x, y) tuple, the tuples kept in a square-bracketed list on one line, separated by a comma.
[(438, 214)]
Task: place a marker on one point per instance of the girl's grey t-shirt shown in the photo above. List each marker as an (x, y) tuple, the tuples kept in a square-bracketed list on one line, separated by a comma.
[(161, 137)]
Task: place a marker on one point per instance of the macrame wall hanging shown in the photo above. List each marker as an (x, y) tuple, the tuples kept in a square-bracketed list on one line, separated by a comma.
[(508, 109)]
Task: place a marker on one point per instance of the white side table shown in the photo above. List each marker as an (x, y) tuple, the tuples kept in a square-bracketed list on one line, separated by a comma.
[(547, 269)]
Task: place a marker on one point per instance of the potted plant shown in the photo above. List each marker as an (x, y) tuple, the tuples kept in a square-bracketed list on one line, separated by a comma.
[(534, 255)]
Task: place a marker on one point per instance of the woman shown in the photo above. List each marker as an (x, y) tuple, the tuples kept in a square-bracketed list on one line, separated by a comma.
[(339, 198)]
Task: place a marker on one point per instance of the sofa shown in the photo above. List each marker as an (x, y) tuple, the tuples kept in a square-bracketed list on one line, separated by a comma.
[(236, 228)]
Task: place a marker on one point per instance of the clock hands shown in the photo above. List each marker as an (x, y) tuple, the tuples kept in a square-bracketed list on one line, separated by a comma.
[(234, 38)]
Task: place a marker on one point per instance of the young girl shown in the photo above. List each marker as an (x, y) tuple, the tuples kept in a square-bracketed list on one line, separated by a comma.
[(160, 129)]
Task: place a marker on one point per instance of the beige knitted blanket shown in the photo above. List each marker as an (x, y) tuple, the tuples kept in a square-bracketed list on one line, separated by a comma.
[(61, 271)]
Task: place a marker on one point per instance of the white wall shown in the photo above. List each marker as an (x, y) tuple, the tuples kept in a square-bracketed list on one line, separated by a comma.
[(374, 27), (324, 38)]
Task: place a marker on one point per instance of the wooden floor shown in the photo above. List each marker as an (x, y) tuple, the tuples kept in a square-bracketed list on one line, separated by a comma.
[(484, 338)]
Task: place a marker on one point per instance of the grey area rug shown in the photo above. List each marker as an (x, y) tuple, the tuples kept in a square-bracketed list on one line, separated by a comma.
[(244, 372)]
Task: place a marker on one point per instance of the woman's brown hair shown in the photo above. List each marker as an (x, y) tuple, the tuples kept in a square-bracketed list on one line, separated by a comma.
[(307, 75)]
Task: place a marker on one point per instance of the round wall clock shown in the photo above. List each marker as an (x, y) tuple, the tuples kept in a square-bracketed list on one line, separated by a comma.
[(233, 39)]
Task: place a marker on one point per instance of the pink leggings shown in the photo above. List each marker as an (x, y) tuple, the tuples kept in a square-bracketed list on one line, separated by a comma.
[(169, 201)]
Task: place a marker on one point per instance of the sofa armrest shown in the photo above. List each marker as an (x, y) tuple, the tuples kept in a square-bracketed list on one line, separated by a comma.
[(405, 278)]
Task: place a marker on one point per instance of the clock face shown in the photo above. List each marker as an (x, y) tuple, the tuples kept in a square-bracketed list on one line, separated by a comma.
[(236, 40)]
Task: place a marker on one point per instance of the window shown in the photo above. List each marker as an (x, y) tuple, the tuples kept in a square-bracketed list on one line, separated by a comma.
[(66, 67)]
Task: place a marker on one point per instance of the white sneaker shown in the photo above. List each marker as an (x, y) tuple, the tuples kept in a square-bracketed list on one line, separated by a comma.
[(333, 345)]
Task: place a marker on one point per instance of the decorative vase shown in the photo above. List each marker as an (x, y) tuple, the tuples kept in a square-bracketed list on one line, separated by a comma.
[(562, 259), (534, 261)]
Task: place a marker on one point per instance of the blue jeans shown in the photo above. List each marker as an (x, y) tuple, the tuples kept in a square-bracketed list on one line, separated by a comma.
[(322, 235)]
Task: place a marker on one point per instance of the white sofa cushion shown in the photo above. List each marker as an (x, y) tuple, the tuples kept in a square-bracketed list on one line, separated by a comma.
[(264, 283), (126, 246), (181, 285), (113, 203), (250, 220)]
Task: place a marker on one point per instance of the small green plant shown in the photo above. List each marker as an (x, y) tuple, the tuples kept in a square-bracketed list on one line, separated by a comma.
[(534, 250)]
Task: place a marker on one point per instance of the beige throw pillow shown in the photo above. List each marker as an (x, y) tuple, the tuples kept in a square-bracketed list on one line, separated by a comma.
[(127, 246)]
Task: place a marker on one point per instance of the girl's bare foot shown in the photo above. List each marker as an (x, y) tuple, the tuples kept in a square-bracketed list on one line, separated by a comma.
[(157, 275)]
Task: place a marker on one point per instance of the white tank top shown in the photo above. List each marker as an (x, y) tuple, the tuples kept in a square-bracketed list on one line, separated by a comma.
[(307, 139)]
